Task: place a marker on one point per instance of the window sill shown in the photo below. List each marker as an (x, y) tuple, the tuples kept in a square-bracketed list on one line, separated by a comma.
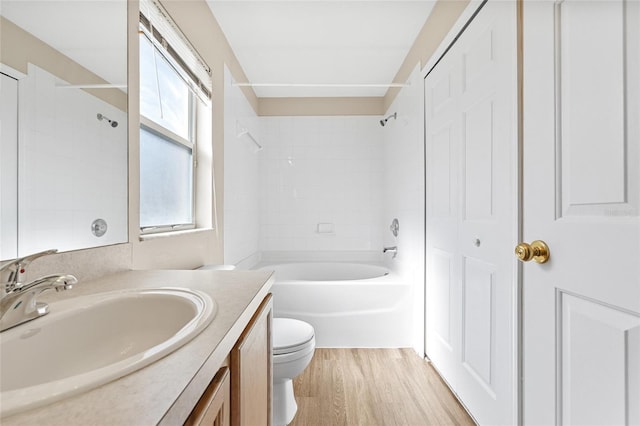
[(147, 237)]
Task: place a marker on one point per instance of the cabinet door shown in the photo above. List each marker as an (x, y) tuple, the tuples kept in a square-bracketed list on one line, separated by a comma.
[(213, 409), (251, 363)]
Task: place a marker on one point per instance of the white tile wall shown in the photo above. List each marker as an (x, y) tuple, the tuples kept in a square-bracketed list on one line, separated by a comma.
[(8, 167), (325, 170), (348, 172), (241, 177), (72, 167), (404, 193)]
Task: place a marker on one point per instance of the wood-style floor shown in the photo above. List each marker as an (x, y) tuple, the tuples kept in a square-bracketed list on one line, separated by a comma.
[(372, 387)]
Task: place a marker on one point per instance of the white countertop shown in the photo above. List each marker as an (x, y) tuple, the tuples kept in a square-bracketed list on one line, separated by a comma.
[(166, 391)]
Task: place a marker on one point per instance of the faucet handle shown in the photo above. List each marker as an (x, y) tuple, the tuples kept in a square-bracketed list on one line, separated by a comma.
[(11, 271)]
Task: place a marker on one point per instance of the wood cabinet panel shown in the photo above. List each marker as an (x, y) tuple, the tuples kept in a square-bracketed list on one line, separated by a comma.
[(214, 407), (251, 371)]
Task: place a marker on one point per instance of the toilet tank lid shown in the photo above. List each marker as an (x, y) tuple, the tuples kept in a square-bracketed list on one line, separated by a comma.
[(289, 332)]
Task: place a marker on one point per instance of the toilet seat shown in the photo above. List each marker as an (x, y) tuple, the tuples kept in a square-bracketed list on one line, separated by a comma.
[(291, 335)]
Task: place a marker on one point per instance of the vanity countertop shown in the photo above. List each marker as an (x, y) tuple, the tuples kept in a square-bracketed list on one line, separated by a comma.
[(166, 391)]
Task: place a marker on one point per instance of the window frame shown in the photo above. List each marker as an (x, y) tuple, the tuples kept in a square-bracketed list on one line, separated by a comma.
[(152, 126)]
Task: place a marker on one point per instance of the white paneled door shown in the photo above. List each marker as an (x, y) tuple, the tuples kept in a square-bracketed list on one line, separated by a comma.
[(581, 314), (471, 215)]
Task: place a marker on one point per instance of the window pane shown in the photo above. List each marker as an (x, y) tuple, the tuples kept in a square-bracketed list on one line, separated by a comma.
[(174, 99), (149, 95), (165, 181), (164, 95)]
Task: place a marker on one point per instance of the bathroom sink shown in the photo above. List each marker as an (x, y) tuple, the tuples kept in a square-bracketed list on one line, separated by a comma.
[(90, 340)]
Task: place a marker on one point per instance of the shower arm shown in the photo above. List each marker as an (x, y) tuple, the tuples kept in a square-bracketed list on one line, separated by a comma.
[(384, 121)]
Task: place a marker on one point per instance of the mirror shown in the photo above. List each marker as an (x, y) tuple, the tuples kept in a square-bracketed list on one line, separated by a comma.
[(63, 157)]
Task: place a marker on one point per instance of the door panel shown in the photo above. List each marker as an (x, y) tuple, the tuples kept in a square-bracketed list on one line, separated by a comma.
[(581, 94), (441, 166), (591, 116), (478, 154), (470, 118), (440, 315), (479, 327), (598, 345), (477, 58)]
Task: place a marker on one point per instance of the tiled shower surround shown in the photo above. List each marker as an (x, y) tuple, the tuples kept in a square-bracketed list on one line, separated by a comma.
[(317, 184), (321, 183), (327, 188), (68, 154)]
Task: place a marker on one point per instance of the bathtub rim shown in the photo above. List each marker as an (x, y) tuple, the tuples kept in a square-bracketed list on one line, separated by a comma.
[(391, 277)]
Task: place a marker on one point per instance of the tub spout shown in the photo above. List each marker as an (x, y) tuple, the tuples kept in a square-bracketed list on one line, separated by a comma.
[(393, 250)]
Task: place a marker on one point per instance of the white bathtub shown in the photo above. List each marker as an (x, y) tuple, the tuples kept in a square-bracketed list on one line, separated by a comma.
[(348, 304)]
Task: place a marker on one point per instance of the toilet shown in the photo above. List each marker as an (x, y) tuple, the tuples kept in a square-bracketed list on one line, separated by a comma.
[(293, 346)]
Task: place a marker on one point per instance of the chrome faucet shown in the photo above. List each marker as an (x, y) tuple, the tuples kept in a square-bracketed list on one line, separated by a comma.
[(12, 272), (393, 250), (18, 303)]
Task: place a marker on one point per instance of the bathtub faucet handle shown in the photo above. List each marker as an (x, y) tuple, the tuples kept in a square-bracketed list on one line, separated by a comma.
[(393, 250)]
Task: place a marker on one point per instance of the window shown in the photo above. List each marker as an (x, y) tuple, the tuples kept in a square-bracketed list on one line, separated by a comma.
[(166, 144), (169, 95)]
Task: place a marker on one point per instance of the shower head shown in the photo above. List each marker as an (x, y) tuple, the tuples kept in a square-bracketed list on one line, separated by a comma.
[(384, 121), (113, 123)]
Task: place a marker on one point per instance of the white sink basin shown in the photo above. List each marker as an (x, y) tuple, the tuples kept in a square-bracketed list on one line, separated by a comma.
[(90, 340)]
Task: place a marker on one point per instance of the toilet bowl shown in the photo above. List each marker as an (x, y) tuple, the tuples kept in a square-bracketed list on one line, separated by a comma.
[(293, 346)]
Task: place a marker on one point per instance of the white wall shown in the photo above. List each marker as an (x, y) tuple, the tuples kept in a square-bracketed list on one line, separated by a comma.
[(72, 167), (8, 167), (241, 177), (404, 193), (321, 170)]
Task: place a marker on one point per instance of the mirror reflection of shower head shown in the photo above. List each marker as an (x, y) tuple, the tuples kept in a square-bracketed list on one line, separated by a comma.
[(384, 121), (113, 123)]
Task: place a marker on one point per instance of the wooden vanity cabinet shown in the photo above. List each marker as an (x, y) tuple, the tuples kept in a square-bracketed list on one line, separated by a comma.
[(251, 371), (214, 407), (240, 393)]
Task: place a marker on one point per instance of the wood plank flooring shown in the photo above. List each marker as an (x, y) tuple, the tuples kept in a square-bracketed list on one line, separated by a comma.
[(371, 387)]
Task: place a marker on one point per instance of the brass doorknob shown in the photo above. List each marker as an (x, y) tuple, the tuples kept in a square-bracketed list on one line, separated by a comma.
[(537, 250)]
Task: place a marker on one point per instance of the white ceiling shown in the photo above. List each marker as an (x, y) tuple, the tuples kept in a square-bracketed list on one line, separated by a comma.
[(92, 33), (327, 42)]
